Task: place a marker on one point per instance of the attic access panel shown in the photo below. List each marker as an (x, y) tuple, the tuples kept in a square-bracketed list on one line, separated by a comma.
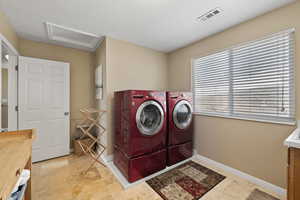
[(72, 37)]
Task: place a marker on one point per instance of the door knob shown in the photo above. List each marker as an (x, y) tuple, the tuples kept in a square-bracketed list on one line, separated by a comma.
[(66, 113)]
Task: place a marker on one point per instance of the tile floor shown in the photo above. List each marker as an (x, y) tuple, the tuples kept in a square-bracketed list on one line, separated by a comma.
[(62, 179)]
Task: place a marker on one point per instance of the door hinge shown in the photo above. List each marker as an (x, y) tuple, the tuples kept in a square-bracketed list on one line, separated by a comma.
[(17, 67), (16, 108)]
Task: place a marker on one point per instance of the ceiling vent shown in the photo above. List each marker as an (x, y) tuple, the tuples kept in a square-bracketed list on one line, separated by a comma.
[(209, 14), (72, 38)]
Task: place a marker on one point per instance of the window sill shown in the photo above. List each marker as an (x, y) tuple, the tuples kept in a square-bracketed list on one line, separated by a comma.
[(293, 123)]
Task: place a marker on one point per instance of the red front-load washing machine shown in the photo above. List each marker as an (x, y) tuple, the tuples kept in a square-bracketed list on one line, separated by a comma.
[(140, 135), (180, 126)]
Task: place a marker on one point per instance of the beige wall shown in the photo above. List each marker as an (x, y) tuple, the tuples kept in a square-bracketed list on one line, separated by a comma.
[(100, 59), (134, 67), (81, 73), (7, 31), (129, 66), (252, 147)]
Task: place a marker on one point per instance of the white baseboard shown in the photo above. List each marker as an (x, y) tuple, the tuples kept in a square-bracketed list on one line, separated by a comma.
[(107, 158), (276, 189), (195, 152), (125, 184)]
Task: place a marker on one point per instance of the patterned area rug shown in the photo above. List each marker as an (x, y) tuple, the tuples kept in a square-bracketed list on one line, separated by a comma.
[(260, 195), (189, 181)]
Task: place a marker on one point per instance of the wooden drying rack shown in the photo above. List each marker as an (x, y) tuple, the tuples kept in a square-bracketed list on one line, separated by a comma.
[(92, 119)]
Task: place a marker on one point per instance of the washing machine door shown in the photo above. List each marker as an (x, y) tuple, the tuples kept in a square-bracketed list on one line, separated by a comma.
[(150, 118), (182, 114)]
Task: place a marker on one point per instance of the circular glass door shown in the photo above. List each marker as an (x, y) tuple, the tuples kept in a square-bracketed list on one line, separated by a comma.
[(149, 118), (182, 114)]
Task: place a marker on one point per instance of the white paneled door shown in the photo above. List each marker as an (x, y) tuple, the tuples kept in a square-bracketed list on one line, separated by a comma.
[(44, 104)]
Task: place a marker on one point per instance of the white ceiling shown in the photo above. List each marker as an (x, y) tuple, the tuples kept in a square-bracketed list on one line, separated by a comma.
[(164, 25)]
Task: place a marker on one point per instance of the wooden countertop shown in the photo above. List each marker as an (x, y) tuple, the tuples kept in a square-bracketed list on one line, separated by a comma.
[(15, 155)]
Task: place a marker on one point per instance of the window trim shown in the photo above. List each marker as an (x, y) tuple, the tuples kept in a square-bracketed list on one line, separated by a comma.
[(229, 116), (292, 123)]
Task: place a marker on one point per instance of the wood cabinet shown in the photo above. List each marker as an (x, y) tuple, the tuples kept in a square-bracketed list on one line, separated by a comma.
[(293, 174), (15, 155)]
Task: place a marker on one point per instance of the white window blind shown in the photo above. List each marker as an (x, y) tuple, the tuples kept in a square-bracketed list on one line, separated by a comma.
[(250, 81)]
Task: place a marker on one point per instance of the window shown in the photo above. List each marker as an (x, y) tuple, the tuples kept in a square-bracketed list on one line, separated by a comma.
[(251, 81)]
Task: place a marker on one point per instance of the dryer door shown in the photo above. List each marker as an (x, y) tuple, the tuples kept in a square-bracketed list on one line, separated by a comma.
[(182, 114), (150, 118)]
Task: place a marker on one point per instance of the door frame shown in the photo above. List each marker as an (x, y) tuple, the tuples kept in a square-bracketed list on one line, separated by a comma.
[(13, 80), (13, 118), (9, 45)]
